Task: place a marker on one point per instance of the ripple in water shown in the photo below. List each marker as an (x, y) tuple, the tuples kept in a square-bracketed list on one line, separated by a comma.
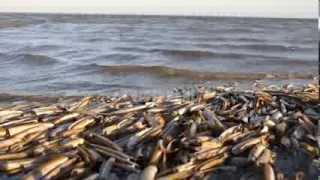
[(88, 54)]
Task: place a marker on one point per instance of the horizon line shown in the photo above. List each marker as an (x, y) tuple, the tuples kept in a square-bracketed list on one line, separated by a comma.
[(150, 14)]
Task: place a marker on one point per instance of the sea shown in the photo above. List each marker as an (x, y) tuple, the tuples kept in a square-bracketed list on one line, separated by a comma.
[(81, 54)]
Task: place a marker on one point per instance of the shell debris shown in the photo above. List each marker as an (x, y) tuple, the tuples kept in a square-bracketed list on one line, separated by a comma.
[(174, 137)]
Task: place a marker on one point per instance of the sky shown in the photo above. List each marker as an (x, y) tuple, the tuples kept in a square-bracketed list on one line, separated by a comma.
[(258, 8)]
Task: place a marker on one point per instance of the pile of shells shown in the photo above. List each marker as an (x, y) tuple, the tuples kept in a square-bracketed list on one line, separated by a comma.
[(243, 133)]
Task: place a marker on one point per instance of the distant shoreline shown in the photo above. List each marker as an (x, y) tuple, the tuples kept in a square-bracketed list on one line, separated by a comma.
[(152, 15)]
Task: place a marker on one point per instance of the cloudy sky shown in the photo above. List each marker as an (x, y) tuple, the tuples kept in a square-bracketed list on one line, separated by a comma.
[(264, 8)]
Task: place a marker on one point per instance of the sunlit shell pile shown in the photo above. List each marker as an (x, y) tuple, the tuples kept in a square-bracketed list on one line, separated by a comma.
[(172, 137)]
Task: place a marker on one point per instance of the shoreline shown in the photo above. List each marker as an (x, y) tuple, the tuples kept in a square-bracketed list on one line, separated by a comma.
[(12, 96), (153, 15)]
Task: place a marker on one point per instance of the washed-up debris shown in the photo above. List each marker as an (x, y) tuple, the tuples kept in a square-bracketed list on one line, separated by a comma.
[(251, 134)]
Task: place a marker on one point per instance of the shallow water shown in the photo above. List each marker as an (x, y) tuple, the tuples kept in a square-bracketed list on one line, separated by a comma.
[(103, 54)]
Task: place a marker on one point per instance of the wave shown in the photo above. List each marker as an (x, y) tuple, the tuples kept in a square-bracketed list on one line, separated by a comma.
[(230, 47), (282, 62), (39, 48), (117, 57), (192, 54), (169, 72), (91, 86), (249, 40), (29, 59), (239, 30), (131, 49), (230, 38), (267, 47), (197, 53)]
